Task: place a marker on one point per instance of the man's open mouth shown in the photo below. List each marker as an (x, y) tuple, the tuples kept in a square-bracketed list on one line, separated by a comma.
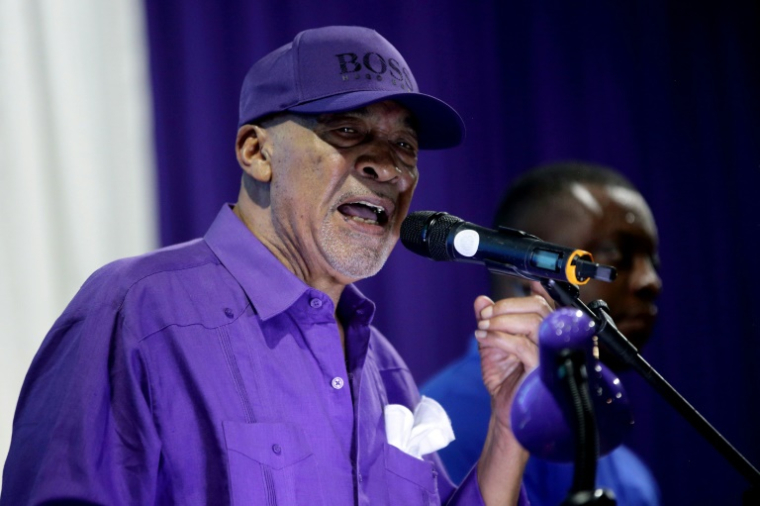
[(364, 212)]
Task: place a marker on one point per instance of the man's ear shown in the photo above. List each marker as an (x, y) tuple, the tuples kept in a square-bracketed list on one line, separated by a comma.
[(250, 153)]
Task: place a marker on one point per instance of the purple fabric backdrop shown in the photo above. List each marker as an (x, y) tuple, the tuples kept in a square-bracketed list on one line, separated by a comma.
[(665, 91)]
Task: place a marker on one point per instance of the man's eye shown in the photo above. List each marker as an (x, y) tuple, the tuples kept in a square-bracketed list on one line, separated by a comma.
[(408, 147), (343, 136), (609, 255)]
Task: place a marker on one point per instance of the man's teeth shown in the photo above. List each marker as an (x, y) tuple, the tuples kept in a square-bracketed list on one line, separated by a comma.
[(362, 220), (364, 212), (376, 209)]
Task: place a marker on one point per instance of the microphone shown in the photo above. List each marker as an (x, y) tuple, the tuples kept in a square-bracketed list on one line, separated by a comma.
[(441, 236), (542, 416)]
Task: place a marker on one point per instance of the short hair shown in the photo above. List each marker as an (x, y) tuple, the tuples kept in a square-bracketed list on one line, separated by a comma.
[(534, 189)]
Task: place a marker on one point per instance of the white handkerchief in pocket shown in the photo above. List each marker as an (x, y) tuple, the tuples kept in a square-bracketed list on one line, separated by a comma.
[(425, 431)]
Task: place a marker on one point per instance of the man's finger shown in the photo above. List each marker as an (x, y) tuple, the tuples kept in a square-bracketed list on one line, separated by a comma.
[(532, 304), (525, 324), (520, 346), (480, 304)]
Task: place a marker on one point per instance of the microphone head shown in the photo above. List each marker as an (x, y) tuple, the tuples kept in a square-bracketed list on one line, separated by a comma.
[(426, 233)]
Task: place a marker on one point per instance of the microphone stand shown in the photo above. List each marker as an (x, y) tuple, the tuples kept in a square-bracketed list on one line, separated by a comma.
[(573, 374), (568, 295)]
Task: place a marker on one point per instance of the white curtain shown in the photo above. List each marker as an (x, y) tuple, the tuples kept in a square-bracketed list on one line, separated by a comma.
[(76, 163)]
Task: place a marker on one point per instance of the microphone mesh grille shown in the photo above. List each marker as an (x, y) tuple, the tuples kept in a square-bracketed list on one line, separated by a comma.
[(425, 233), (413, 231), (438, 232)]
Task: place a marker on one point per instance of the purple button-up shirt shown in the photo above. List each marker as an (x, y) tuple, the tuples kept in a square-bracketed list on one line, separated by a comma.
[(207, 373)]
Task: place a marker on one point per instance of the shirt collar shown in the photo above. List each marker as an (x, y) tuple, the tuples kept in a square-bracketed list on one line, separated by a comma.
[(353, 304), (269, 285)]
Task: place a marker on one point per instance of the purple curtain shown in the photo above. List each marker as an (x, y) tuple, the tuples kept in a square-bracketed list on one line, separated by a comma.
[(666, 91)]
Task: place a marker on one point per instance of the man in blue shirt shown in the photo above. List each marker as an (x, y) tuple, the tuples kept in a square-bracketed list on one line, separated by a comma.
[(591, 208)]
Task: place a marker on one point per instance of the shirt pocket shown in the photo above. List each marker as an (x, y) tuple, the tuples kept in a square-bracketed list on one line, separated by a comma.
[(270, 464), (411, 481)]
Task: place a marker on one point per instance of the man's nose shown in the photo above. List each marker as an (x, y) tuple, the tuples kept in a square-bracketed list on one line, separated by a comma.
[(381, 165), (645, 280)]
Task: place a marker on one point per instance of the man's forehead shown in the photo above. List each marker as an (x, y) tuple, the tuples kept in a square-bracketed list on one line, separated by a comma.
[(601, 201), (594, 197), (620, 199), (586, 198)]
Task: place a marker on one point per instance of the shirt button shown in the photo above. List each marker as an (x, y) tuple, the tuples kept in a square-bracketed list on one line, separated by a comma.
[(315, 303), (359, 477), (337, 382), (276, 449)]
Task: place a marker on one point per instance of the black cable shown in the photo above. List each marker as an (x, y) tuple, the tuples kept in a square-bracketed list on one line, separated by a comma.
[(573, 374)]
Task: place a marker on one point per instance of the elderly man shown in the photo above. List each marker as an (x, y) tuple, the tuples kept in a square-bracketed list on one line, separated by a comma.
[(592, 208), (241, 367)]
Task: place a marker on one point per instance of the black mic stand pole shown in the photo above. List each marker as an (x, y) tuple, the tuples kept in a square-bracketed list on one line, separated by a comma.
[(572, 372), (568, 295)]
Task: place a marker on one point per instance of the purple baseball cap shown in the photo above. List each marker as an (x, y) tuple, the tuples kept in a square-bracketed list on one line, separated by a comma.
[(341, 68)]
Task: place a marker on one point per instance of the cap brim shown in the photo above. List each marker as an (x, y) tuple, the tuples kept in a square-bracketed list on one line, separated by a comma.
[(440, 126)]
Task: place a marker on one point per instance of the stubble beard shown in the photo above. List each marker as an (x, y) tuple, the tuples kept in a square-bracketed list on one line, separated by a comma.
[(353, 254)]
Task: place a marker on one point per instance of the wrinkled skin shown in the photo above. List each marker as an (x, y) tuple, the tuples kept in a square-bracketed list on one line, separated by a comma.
[(327, 196), (305, 171)]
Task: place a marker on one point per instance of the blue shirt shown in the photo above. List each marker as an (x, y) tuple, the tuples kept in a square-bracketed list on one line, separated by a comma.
[(207, 373), (459, 389)]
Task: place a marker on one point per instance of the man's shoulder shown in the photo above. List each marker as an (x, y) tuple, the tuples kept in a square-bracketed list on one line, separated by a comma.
[(621, 470), (121, 276), (172, 285), (626, 461)]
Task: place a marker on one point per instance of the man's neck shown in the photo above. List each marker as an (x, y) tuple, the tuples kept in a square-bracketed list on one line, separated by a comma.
[(258, 221)]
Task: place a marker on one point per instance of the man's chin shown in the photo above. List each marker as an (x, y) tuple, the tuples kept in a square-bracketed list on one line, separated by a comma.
[(358, 266), (352, 254)]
